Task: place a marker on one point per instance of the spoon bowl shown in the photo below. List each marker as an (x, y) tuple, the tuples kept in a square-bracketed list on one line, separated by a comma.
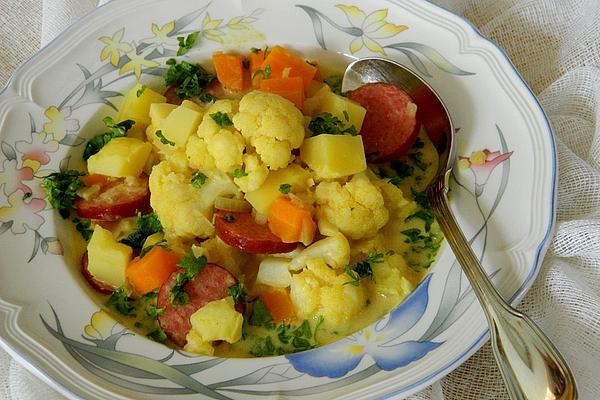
[(531, 366)]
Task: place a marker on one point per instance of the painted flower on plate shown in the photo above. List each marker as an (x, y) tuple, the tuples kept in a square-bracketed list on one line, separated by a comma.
[(481, 163), (210, 29), (12, 177), (114, 47), (37, 148), (161, 37), (382, 342), (372, 27), (23, 211), (101, 326), (137, 61), (60, 124)]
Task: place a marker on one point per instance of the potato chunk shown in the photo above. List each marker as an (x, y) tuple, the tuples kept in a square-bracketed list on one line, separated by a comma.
[(107, 258), (294, 175), (160, 111), (346, 110), (334, 156), (137, 107), (122, 156), (180, 124)]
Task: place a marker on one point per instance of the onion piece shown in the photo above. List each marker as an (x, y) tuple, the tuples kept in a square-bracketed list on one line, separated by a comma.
[(234, 205)]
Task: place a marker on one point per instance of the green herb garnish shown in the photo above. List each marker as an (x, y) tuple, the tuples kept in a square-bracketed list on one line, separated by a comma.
[(425, 215), (186, 43), (328, 124), (362, 269), (84, 226), (158, 335), (192, 265), (198, 179), (140, 91), (146, 225), (153, 312), (285, 188), (229, 218), (222, 119), (121, 302), (61, 189), (162, 243), (335, 83), (260, 315), (163, 139), (239, 173), (237, 292), (189, 80), (115, 130)]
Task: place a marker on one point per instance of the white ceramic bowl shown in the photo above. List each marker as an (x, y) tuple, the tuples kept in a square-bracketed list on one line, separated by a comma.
[(503, 196)]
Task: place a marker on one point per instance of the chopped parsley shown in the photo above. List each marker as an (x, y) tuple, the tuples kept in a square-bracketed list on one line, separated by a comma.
[(311, 63), (158, 335), (147, 225), (145, 250), (140, 91), (192, 265), (222, 119), (266, 73), (362, 269), (422, 249), (260, 314), (239, 173), (287, 339), (84, 227), (153, 312), (121, 302), (335, 83), (425, 215), (415, 158), (328, 124), (237, 292), (115, 130), (186, 43), (163, 139), (421, 199), (198, 179), (189, 80), (285, 188), (61, 189), (229, 218)]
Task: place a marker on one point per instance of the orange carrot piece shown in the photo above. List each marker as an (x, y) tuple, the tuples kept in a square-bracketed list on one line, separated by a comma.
[(230, 70), (255, 60), (95, 179), (279, 304), (290, 222), (280, 59), (289, 88), (318, 76), (151, 271)]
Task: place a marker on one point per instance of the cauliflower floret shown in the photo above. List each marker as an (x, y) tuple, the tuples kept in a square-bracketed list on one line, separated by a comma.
[(197, 153), (183, 209), (256, 174), (318, 290), (272, 124), (209, 127), (357, 208), (226, 149), (393, 197), (333, 250)]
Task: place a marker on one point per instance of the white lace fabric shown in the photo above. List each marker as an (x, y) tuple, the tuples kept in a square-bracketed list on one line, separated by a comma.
[(555, 45)]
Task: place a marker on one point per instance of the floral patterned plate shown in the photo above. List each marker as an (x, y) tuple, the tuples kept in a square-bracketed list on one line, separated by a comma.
[(503, 195)]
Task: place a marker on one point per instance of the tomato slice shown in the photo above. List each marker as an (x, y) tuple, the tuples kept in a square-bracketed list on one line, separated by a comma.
[(240, 230), (118, 198)]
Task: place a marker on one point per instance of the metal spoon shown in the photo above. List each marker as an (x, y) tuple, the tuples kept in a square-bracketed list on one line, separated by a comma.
[(531, 366)]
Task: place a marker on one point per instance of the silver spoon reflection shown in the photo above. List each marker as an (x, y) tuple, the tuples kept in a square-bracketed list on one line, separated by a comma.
[(531, 366)]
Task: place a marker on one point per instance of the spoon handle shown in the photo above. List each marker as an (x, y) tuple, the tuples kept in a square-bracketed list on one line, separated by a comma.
[(532, 368)]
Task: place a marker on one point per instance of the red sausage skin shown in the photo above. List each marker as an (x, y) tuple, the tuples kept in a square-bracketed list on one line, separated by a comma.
[(390, 126)]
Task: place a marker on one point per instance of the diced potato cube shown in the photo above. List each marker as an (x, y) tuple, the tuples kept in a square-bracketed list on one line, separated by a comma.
[(334, 156), (294, 175), (273, 271), (137, 107), (348, 111), (107, 258), (192, 106), (180, 124), (218, 320), (159, 111), (195, 344), (122, 156)]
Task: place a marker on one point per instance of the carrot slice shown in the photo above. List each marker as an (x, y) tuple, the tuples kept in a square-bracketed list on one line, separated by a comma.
[(255, 60), (280, 59), (151, 271), (289, 88), (95, 179), (290, 222), (279, 304), (230, 70)]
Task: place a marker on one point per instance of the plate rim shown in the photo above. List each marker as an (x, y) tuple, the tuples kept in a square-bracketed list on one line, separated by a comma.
[(20, 355)]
